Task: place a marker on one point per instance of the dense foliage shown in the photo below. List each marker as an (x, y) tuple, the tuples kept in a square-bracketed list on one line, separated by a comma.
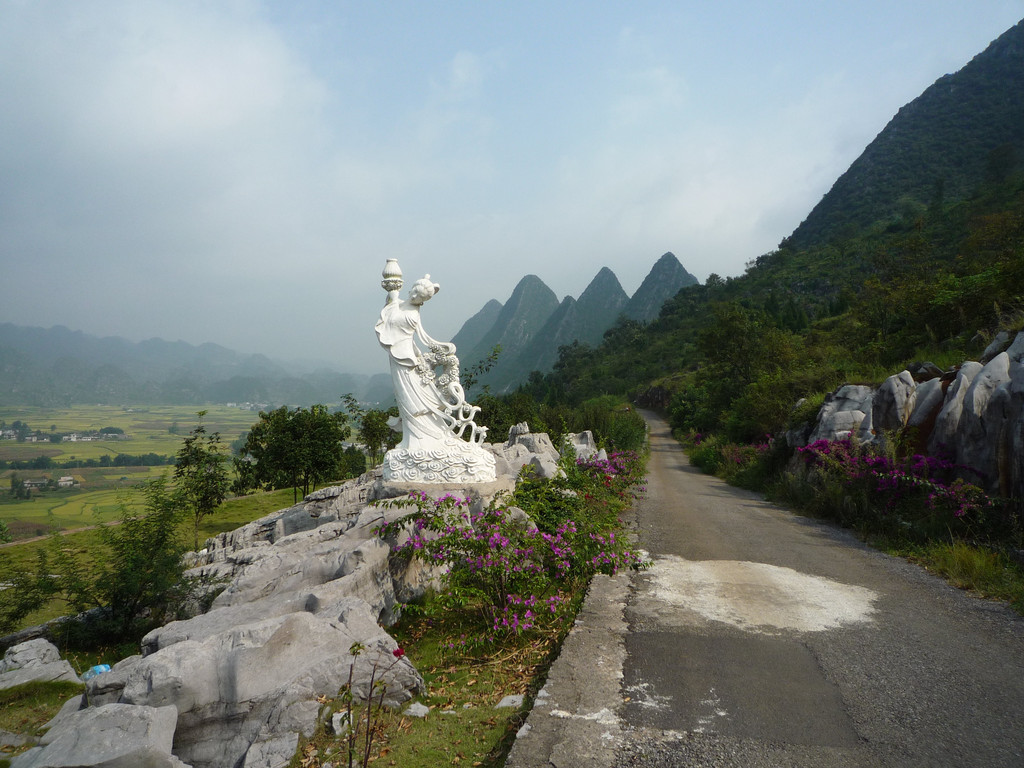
[(296, 449), (133, 579)]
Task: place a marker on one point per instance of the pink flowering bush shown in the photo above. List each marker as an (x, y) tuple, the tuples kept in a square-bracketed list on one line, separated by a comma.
[(916, 497), (520, 573)]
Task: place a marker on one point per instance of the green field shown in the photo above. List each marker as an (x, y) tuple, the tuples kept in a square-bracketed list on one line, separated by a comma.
[(232, 514), (101, 490)]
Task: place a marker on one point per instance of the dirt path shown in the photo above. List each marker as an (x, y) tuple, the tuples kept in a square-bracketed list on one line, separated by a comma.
[(68, 532)]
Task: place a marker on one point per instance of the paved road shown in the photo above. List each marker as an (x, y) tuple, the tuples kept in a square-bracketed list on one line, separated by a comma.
[(759, 638)]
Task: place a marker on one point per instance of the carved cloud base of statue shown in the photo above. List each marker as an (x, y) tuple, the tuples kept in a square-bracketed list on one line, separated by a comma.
[(431, 405), (457, 463)]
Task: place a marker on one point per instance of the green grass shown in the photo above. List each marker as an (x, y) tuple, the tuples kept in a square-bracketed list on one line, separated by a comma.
[(147, 427), (101, 490), (26, 708), (231, 515), (464, 726), (986, 573)]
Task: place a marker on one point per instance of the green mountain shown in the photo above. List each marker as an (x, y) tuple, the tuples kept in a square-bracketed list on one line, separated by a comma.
[(890, 268), (474, 329), (663, 282), (584, 319), (534, 345), (519, 320), (965, 130)]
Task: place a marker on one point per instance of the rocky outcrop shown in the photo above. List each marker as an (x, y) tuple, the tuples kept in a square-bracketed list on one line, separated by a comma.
[(34, 661), (112, 736), (287, 598), (973, 415)]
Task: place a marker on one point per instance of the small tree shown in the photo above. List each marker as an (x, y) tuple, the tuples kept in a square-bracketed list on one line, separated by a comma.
[(201, 474), (376, 434), (133, 577), (18, 489), (292, 449)]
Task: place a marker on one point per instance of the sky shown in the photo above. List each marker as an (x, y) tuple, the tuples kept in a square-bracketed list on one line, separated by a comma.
[(237, 172)]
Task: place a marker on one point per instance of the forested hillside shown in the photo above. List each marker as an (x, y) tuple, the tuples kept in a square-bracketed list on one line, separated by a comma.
[(864, 285), (965, 130)]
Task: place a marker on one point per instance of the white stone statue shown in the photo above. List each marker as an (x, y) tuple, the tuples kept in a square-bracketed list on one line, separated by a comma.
[(432, 407)]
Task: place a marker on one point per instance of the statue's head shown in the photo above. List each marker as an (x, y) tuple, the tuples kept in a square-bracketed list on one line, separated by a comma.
[(422, 290)]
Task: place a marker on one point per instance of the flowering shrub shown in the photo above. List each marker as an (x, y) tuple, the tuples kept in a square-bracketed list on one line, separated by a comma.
[(517, 573), (748, 466), (917, 497)]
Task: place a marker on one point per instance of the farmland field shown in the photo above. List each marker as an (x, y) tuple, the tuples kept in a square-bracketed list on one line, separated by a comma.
[(230, 515), (100, 491)]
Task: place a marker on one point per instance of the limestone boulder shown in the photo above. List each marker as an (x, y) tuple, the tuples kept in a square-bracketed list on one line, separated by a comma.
[(980, 427), (544, 467), (537, 443), (893, 404), (1011, 465), (998, 344), (927, 403), (511, 458), (943, 437), (842, 413), (258, 683), (1016, 350), (583, 444), (112, 736), (35, 660)]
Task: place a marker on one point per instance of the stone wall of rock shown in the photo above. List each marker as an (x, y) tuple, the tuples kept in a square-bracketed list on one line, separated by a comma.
[(972, 414), (287, 596)]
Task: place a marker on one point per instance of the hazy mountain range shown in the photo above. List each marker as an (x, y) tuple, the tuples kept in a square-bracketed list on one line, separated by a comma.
[(58, 366)]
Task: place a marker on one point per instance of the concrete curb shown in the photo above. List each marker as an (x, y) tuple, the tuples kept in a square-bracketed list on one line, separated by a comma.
[(575, 720)]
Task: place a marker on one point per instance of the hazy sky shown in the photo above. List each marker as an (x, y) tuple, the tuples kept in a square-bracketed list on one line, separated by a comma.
[(237, 172)]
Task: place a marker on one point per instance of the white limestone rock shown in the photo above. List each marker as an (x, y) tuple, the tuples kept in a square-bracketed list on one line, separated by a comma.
[(112, 736), (258, 683), (1016, 350), (35, 660), (583, 444), (943, 438), (842, 413), (997, 345), (927, 403), (1011, 474), (893, 403), (537, 443), (978, 429), (544, 467)]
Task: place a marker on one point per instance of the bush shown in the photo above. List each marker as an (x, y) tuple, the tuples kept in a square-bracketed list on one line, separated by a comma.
[(917, 498), (519, 574), (134, 579)]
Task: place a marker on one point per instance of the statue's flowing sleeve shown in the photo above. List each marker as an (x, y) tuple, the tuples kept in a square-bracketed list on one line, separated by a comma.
[(395, 331)]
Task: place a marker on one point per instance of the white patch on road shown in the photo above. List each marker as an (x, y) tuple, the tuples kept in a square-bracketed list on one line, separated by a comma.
[(603, 716), (643, 695), (756, 597)]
